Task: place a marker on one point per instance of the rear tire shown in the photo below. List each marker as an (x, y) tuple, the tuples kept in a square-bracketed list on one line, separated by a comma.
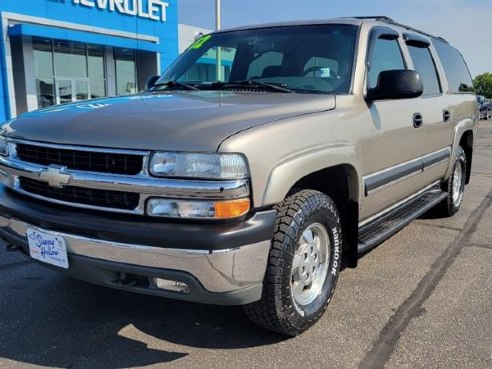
[(454, 187), (303, 266)]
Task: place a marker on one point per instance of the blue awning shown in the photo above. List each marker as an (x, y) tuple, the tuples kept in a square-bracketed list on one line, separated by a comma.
[(81, 36)]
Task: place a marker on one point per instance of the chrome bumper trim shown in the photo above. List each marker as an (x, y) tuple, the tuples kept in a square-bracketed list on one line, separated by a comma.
[(218, 271)]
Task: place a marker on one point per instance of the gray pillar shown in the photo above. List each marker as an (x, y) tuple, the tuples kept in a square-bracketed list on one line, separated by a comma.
[(110, 72), (31, 93), (146, 67)]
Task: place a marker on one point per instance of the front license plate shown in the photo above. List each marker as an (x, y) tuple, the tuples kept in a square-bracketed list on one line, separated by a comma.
[(47, 247)]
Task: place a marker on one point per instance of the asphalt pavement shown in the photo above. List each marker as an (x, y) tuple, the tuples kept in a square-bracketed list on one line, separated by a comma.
[(422, 299)]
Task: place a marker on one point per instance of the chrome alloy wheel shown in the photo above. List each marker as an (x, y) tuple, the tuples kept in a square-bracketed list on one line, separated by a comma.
[(310, 264), (457, 184)]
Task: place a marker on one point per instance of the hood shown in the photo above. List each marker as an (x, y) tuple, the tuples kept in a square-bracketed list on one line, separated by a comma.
[(184, 121)]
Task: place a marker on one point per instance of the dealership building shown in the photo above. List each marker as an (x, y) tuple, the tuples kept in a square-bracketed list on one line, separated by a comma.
[(59, 51)]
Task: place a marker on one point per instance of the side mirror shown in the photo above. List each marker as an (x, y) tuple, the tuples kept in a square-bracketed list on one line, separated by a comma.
[(151, 81), (396, 84)]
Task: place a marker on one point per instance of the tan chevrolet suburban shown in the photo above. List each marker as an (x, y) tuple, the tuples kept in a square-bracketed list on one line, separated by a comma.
[(259, 164)]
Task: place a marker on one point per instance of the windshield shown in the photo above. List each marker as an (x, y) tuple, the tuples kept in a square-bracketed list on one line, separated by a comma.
[(310, 59)]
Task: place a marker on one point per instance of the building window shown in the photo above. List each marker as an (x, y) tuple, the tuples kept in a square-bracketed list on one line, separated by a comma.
[(205, 68), (67, 71), (44, 72), (95, 56), (126, 71), (70, 59)]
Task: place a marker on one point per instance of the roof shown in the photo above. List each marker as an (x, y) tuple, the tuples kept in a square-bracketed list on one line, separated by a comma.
[(352, 21), (356, 21)]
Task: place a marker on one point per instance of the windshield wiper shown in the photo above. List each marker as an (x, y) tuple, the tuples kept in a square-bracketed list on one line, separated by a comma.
[(253, 84), (174, 84)]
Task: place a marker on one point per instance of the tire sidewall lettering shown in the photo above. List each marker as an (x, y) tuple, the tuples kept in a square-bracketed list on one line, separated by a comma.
[(336, 253)]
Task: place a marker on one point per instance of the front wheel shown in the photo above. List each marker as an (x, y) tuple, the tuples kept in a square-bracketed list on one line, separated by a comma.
[(303, 266)]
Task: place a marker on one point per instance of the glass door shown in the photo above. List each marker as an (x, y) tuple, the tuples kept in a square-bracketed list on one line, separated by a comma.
[(71, 90), (81, 89), (64, 91)]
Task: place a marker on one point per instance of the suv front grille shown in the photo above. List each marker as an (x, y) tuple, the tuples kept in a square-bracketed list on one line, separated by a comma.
[(81, 160), (79, 195)]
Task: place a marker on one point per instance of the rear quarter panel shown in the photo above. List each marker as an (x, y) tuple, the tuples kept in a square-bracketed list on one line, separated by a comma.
[(465, 118)]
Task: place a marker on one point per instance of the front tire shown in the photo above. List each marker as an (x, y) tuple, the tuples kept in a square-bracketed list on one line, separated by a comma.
[(303, 266), (454, 186)]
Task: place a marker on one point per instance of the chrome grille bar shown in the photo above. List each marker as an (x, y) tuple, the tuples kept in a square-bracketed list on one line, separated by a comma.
[(143, 183)]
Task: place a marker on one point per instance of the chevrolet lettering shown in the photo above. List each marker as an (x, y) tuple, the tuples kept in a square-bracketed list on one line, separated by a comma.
[(260, 164), (151, 9)]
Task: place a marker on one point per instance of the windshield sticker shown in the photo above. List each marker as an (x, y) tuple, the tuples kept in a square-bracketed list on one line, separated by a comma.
[(200, 42)]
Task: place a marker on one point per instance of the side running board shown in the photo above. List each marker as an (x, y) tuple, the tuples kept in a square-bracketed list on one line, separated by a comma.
[(380, 229)]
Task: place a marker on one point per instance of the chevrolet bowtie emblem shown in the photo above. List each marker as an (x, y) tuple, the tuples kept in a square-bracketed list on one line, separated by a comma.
[(55, 176)]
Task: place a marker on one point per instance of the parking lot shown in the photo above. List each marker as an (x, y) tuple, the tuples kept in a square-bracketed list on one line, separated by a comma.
[(420, 300)]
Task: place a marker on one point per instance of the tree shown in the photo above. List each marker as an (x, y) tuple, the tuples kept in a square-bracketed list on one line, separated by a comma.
[(483, 85)]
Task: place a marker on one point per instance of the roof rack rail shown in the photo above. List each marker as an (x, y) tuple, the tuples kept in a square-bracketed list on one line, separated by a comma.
[(417, 30), (375, 17), (389, 20)]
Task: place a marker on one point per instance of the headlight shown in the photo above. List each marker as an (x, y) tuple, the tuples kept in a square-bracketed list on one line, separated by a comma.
[(4, 148), (174, 208), (197, 165)]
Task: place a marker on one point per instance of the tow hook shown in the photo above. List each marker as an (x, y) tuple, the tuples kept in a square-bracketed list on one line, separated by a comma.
[(127, 280), (10, 247)]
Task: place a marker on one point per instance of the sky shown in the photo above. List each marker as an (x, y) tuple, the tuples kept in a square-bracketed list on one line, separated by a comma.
[(467, 25)]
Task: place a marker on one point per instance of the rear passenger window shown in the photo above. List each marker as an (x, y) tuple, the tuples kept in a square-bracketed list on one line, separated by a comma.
[(425, 66), (386, 56), (455, 68)]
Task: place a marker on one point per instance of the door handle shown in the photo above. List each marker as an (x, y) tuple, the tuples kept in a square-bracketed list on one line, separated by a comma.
[(418, 121), (446, 115)]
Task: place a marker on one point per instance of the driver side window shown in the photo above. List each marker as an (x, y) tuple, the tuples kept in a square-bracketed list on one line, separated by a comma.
[(264, 64), (387, 56)]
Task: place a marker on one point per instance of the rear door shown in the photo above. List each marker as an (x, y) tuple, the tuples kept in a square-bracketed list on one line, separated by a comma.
[(459, 92), (434, 109)]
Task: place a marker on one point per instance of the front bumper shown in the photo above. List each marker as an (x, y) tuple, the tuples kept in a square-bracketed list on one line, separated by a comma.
[(227, 276)]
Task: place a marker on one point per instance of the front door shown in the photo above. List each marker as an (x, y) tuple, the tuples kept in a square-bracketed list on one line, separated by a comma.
[(392, 151)]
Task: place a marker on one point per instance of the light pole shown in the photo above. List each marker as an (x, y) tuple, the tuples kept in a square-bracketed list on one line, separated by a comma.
[(219, 51), (217, 15)]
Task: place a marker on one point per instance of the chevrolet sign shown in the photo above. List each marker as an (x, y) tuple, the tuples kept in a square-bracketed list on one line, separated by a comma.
[(150, 9)]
